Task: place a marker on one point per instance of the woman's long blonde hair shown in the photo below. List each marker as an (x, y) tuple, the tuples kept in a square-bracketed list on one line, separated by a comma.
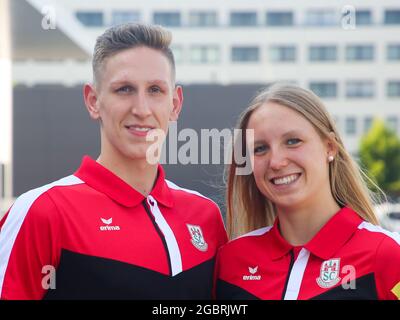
[(248, 209)]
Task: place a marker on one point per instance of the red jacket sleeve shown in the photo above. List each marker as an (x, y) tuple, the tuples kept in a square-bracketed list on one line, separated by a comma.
[(388, 269), (223, 237), (29, 247)]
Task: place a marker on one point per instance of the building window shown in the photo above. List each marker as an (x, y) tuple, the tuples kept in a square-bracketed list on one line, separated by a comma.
[(203, 19), (321, 18), (359, 89), (90, 18), (120, 17), (283, 18), (282, 53), (243, 19), (392, 16), (167, 19), (363, 17), (245, 54), (393, 123), (324, 89), (204, 54), (393, 52), (351, 126), (323, 53), (177, 51), (359, 53), (393, 89), (368, 124)]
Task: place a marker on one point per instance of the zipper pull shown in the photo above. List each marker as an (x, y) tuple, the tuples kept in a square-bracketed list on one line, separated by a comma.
[(151, 201)]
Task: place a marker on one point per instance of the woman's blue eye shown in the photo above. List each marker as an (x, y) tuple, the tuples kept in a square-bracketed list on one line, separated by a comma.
[(293, 141), (260, 149)]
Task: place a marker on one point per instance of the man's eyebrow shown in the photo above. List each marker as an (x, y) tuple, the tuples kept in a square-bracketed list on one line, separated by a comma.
[(119, 82), (159, 82), (126, 81)]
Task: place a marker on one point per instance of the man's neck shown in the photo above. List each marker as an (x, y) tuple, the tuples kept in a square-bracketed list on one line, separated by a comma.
[(138, 173)]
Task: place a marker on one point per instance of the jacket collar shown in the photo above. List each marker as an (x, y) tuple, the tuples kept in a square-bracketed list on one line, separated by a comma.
[(332, 236), (105, 181)]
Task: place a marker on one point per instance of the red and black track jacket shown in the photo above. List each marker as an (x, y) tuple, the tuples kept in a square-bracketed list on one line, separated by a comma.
[(107, 241), (347, 259)]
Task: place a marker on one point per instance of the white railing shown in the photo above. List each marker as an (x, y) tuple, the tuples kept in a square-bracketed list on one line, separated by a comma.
[(31, 72)]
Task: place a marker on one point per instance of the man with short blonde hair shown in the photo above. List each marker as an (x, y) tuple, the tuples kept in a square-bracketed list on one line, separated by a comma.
[(116, 228)]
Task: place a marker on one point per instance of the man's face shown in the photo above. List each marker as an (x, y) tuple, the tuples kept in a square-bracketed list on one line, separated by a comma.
[(135, 98)]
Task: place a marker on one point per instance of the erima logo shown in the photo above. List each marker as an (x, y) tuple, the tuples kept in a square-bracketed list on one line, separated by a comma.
[(252, 275), (107, 226)]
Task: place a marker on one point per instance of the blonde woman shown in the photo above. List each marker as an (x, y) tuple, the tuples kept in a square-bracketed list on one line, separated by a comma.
[(304, 215)]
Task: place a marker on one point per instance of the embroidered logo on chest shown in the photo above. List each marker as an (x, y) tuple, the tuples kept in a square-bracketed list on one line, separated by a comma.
[(197, 237), (107, 225), (253, 274), (329, 273)]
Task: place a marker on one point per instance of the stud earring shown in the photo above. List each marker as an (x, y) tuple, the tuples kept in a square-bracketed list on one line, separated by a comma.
[(330, 158)]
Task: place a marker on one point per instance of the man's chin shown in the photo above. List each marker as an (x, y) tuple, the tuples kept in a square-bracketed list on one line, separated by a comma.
[(150, 158)]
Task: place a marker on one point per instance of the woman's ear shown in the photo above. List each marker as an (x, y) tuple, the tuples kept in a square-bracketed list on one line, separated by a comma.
[(331, 144), (90, 97)]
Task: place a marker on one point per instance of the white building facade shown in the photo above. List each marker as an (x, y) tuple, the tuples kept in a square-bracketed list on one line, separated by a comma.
[(348, 52)]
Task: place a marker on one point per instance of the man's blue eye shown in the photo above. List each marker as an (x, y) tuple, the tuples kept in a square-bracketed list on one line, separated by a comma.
[(125, 89), (155, 89)]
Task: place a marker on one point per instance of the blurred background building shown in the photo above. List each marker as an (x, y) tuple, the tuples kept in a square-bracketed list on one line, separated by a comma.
[(347, 52)]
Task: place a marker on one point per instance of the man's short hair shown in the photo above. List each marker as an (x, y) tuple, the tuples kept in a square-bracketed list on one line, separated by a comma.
[(127, 36)]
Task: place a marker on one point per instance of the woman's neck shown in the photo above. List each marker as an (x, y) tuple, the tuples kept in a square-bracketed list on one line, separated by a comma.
[(299, 225)]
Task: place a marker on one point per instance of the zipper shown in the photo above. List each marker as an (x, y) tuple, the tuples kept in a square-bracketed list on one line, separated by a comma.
[(161, 235), (166, 235), (288, 274)]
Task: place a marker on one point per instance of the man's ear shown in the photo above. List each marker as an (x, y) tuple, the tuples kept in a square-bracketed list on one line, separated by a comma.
[(177, 101), (90, 97)]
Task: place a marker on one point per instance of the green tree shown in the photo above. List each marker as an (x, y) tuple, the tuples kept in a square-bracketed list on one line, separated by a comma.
[(380, 156)]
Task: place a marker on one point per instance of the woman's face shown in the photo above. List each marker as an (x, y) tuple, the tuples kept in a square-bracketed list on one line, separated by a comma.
[(290, 162)]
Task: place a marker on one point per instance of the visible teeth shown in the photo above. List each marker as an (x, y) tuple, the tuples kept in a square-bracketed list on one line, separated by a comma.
[(140, 129), (286, 180)]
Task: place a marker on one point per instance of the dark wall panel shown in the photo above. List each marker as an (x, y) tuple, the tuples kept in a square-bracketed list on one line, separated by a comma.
[(52, 131)]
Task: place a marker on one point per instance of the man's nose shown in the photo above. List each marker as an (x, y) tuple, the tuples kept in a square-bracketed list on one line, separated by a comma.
[(141, 105)]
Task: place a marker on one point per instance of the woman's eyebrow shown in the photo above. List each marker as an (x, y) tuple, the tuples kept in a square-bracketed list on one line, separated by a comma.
[(291, 133)]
